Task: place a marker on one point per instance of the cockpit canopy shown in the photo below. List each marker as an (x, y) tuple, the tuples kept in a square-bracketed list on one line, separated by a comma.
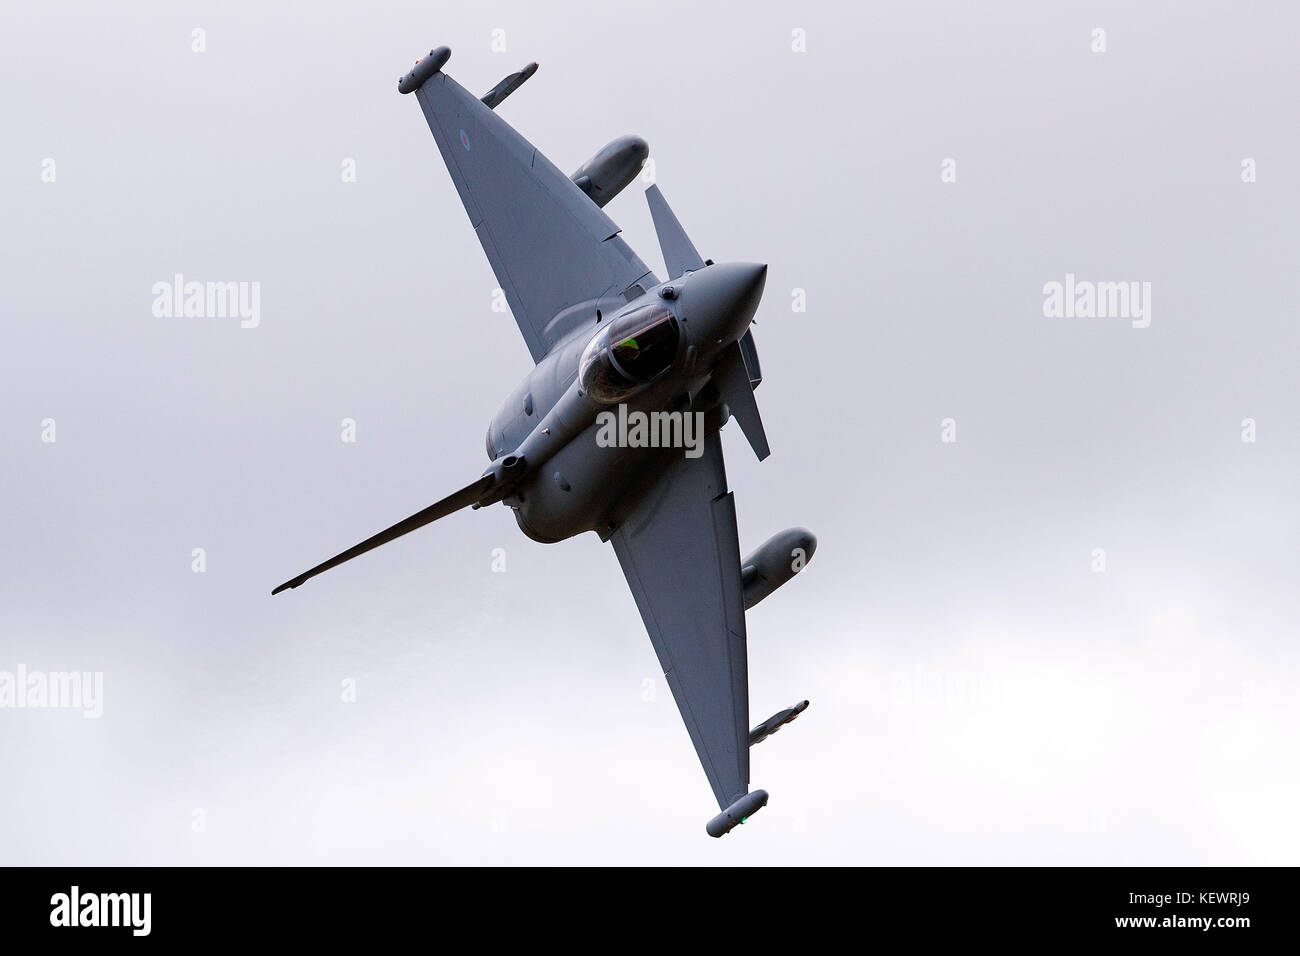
[(634, 348)]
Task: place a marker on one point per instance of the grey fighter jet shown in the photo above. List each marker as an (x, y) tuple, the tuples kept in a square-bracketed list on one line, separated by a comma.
[(613, 345)]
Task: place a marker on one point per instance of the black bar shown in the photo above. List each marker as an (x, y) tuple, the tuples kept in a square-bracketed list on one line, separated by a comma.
[(910, 906)]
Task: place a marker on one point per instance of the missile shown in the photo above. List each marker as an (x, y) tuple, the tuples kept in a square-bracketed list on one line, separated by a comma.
[(737, 813), (604, 175), (493, 97), (780, 558), (776, 722)]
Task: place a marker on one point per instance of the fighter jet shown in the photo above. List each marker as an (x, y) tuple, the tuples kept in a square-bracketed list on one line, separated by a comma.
[(613, 343)]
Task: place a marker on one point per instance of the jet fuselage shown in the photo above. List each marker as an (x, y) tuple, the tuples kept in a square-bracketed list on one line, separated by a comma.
[(577, 483)]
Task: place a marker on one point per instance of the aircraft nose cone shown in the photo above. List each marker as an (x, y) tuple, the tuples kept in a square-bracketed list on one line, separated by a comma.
[(720, 300)]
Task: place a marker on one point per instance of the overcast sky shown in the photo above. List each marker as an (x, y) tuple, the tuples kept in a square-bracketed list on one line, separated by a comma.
[(982, 690)]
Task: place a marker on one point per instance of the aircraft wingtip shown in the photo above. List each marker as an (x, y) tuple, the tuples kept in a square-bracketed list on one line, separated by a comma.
[(424, 68)]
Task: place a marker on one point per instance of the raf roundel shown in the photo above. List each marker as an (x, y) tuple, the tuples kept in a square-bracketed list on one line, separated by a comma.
[(464, 140)]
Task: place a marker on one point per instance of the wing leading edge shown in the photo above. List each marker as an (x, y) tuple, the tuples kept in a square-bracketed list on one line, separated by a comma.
[(681, 556), (549, 245)]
